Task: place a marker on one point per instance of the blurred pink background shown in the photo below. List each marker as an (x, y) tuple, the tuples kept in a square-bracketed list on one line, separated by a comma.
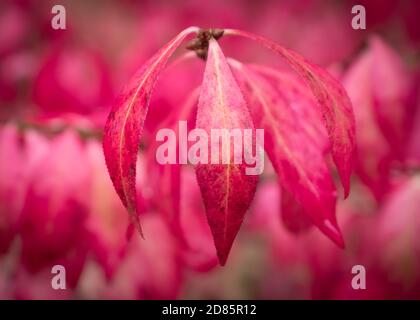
[(57, 203)]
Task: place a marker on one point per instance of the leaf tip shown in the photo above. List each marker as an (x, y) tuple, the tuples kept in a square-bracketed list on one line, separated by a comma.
[(345, 177), (222, 256), (223, 249), (135, 224), (346, 190)]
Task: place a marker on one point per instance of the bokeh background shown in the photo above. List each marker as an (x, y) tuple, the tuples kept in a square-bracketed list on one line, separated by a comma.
[(57, 203)]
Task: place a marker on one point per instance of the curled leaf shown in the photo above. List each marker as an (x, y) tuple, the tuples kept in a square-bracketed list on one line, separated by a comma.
[(333, 102), (226, 188), (295, 149), (125, 125)]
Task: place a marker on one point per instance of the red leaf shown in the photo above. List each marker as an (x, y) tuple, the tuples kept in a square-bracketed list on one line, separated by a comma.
[(294, 146), (125, 125), (334, 104), (226, 189)]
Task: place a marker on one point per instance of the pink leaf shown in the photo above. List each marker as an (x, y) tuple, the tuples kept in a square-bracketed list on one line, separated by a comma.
[(12, 184), (72, 79), (396, 237), (61, 207), (390, 83), (373, 153), (264, 218), (125, 125), (200, 253), (334, 104), (294, 216), (105, 208), (226, 189), (378, 86), (294, 147), (165, 178)]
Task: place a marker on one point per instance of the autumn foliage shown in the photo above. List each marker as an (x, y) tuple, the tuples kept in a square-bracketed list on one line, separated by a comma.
[(80, 185)]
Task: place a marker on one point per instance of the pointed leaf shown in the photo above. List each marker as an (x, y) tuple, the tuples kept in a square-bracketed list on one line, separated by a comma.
[(226, 189), (301, 102), (294, 147), (125, 124), (333, 102)]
